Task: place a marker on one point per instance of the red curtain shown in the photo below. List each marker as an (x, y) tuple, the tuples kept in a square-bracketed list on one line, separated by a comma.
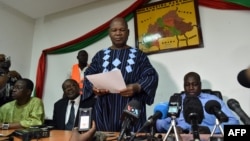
[(223, 4)]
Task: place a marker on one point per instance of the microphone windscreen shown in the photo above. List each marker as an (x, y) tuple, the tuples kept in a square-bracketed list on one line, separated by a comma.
[(214, 107), (235, 106), (132, 109), (163, 108), (192, 104), (210, 105), (242, 78)]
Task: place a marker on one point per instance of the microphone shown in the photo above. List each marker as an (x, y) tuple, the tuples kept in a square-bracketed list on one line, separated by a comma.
[(193, 114), (242, 78), (214, 107), (235, 106), (192, 106), (130, 115), (194, 118), (160, 112)]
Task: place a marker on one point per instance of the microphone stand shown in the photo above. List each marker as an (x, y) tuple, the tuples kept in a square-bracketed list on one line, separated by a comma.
[(125, 130), (196, 136), (217, 125), (151, 136), (152, 131), (173, 125), (195, 127)]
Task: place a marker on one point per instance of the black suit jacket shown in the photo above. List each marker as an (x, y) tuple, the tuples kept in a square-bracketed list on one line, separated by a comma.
[(59, 112)]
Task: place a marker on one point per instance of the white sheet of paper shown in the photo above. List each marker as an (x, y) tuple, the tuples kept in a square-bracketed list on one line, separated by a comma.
[(112, 80)]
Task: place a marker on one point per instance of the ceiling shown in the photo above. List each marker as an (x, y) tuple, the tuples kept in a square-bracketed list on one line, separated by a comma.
[(39, 8)]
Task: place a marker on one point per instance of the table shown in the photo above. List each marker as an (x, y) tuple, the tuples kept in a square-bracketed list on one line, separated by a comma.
[(55, 135), (64, 135)]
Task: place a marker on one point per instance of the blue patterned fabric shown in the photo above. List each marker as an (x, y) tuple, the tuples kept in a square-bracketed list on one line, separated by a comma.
[(136, 68)]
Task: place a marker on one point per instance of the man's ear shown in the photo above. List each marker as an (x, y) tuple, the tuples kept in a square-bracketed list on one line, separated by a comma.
[(29, 92)]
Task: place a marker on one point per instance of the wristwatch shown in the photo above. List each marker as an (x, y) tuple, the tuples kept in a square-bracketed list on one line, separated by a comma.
[(5, 125)]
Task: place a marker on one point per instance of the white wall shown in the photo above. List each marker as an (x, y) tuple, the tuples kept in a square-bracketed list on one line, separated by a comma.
[(225, 52), (16, 35)]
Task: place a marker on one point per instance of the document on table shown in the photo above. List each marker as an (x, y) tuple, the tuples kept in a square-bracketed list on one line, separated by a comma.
[(112, 81)]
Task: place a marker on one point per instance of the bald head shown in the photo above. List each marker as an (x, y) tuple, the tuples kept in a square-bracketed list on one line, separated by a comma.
[(119, 20), (192, 84)]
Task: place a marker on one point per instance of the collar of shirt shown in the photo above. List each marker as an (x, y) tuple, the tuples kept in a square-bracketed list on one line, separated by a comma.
[(77, 101)]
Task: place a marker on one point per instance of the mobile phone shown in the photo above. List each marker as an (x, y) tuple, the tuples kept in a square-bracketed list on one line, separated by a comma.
[(172, 109), (85, 119)]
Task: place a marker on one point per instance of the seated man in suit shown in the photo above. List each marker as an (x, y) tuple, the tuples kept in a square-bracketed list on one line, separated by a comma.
[(62, 108), (192, 88), (24, 111)]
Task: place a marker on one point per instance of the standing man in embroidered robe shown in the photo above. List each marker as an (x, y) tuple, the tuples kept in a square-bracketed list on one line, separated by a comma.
[(139, 75)]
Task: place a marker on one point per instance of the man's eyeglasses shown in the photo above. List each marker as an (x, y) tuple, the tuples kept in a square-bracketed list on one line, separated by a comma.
[(18, 87)]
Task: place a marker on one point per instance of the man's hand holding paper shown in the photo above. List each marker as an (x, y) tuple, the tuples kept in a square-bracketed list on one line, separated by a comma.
[(112, 81)]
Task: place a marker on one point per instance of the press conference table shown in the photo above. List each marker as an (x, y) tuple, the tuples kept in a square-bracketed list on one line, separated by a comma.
[(62, 135), (55, 135)]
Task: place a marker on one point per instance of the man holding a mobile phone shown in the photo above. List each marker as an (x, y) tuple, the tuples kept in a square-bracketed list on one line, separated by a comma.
[(84, 136)]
